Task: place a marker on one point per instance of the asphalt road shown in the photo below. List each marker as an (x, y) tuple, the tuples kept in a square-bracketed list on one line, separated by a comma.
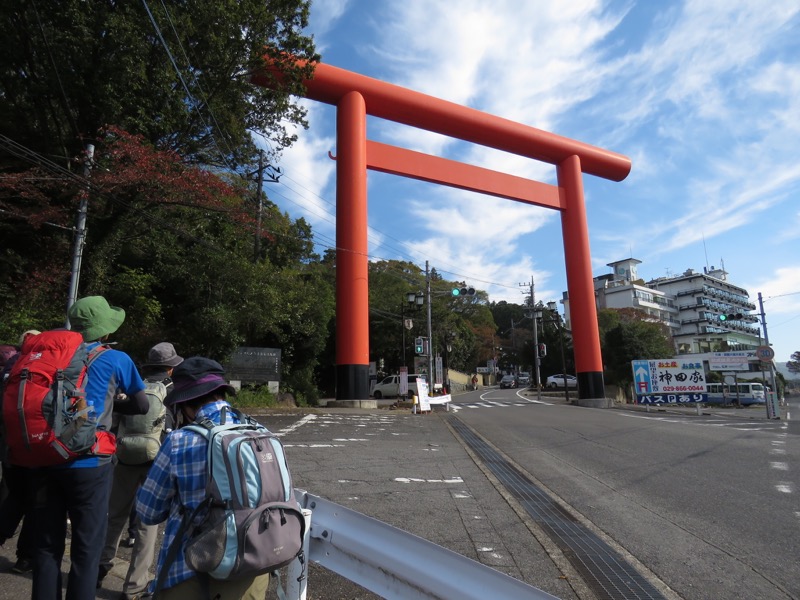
[(706, 505), (709, 504)]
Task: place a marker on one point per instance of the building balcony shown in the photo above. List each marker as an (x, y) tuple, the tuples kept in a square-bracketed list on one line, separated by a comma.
[(692, 292)]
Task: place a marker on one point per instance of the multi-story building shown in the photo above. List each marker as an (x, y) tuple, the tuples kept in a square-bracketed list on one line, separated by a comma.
[(694, 306), (622, 288), (706, 301)]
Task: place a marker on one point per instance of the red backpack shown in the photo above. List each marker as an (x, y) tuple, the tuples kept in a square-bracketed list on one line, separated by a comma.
[(46, 417)]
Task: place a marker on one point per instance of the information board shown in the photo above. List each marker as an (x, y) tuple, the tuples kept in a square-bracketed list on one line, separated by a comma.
[(255, 365), (730, 361), (668, 376), (422, 397)]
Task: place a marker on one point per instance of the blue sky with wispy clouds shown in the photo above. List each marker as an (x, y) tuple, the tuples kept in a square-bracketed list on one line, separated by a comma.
[(703, 95)]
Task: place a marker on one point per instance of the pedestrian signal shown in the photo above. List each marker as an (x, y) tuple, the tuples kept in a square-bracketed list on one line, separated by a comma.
[(418, 347)]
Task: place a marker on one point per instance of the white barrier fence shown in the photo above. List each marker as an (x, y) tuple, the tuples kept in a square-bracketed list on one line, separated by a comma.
[(390, 562)]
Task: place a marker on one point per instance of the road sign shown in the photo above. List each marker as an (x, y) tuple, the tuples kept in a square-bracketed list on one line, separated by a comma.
[(482, 370), (730, 361), (765, 353), (668, 376)]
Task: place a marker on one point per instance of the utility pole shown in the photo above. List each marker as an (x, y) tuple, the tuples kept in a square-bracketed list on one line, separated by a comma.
[(430, 330), (766, 343), (260, 205), (80, 232), (535, 339)]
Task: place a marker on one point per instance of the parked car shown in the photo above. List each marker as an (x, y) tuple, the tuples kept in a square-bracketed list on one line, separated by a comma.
[(389, 387), (557, 381), (508, 381), (523, 379)]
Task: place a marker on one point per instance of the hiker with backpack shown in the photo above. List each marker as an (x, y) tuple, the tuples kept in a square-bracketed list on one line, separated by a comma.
[(16, 502), (138, 439), (13, 487), (72, 376), (218, 544)]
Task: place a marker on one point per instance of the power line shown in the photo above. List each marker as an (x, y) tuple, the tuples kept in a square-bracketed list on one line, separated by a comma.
[(22, 152), (195, 104), (196, 81)]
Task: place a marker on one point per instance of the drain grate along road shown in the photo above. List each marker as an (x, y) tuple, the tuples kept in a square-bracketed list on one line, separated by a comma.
[(608, 575)]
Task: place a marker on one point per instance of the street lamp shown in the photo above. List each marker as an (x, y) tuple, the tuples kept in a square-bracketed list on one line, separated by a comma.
[(553, 307), (416, 299)]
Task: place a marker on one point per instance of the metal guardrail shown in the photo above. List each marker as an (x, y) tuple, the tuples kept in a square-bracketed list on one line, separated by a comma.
[(382, 559)]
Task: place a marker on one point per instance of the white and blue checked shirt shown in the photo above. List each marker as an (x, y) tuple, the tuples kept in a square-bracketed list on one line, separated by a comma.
[(176, 485)]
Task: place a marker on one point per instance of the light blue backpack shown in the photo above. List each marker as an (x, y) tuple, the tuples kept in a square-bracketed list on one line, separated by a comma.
[(250, 522)]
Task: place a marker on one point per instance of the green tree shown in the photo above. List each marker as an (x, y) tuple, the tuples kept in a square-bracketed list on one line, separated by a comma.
[(465, 324), (553, 335), (793, 364), (389, 283), (626, 335), (515, 333), (175, 72), (173, 245)]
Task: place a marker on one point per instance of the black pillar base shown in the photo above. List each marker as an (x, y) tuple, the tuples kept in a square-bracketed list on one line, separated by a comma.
[(352, 382), (591, 386)]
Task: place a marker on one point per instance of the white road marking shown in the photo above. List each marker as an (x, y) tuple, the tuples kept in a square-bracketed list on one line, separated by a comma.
[(296, 425), (417, 480), (313, 445)]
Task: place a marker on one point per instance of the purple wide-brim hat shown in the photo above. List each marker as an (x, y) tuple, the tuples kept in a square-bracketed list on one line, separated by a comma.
[(196, 377)]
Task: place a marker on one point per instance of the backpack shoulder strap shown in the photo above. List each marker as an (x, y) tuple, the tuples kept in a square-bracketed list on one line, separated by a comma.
[(95, 352), (167, 381), (245, 419), (201, 427)]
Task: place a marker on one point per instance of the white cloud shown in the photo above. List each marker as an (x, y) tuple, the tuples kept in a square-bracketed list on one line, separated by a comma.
[(324, 16), (702, 94), (780, 293)]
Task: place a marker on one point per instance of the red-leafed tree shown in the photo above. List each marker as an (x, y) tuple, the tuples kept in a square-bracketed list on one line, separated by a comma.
[(171, 221), (173, 245)]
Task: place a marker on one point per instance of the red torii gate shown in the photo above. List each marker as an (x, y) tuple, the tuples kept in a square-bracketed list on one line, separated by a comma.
[(355, 96)]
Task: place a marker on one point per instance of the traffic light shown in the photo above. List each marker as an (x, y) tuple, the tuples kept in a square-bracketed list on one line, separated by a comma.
[(418, 346), (464, 291), (731, 317), (542, 350)]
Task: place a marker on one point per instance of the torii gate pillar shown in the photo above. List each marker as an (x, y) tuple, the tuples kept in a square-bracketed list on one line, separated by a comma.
[(352, 291)]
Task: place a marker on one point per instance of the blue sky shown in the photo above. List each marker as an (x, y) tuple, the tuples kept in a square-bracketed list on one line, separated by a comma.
[(704, 96)]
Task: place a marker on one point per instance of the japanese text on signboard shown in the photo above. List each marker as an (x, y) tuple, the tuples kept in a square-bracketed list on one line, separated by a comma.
[(668, 376)]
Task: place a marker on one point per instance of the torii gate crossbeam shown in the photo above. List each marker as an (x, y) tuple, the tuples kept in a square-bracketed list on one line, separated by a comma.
[(356, 96)]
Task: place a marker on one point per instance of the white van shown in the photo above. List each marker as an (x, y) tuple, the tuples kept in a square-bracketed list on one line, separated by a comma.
[(389, 387)]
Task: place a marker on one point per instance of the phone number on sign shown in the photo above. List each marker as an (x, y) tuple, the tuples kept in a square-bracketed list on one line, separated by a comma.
[(682, 388)]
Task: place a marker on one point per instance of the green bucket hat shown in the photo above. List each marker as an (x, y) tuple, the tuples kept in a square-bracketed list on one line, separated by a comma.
[(94, 318)]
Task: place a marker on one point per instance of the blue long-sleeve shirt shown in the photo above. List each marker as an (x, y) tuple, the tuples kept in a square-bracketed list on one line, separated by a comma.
[(178, 478)]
